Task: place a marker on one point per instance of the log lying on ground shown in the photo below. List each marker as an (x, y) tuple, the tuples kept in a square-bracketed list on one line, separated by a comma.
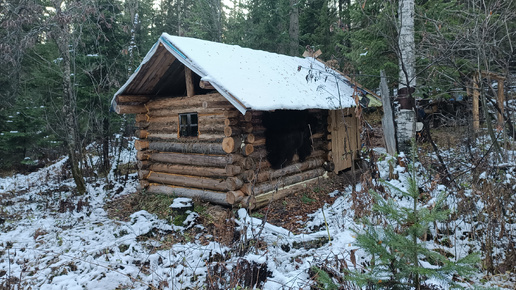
[(226, 184), (210, 196), (229, 170), (261, 188), (200, 148), (288, 170), (194, 159), (263, 199)]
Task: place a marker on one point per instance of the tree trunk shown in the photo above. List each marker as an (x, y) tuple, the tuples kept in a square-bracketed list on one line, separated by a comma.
[(62, 38), (406, 118), (293, 30)]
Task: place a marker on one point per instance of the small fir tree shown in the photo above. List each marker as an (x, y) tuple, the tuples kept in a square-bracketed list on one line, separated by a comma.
[(400, 259)]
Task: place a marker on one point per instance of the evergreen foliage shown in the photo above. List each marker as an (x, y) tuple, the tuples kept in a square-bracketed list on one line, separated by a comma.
[(394, 237)]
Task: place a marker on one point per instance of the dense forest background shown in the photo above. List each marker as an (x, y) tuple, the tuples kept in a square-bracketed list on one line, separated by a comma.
[(63, 60)]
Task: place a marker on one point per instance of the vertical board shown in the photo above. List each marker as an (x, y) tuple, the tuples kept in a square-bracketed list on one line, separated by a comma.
[(344, 138)]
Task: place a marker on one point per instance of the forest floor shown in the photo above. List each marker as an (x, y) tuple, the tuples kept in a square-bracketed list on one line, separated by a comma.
[(115, 237)]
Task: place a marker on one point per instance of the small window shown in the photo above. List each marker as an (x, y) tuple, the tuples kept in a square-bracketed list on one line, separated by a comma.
[(188, 125)]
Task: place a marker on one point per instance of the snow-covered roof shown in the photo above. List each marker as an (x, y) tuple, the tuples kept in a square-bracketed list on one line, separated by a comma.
[(253, 79)]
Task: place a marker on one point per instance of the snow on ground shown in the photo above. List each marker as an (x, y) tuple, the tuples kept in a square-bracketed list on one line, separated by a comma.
[(51, 239)]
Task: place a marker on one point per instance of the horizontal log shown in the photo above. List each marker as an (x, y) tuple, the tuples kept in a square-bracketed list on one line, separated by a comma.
[(231, 144), (146, 134), (143, 155), (225, 184), (186, 147), (196, 159), (205, 195), (229, 170), (282, 182), (265, 198), (234, 196), (130, 109), (232, 113), (132, 99), (185, 102), (231, 122), (270, 175), (141, 145), (232, 131), (168, 112)]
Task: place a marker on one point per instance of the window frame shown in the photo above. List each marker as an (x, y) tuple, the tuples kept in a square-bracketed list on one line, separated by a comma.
[(190, 128)]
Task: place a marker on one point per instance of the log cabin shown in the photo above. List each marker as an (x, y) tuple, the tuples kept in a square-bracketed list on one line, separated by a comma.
[(236, 126)]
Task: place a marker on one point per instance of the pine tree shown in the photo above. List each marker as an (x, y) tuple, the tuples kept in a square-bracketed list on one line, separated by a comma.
[(400, 259)]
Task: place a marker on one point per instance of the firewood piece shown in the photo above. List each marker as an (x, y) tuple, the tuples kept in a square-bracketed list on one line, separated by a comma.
[(230, 183), (141, 145), (200, 148), (206, 195), (247, 149), (264, 199), (289, 180), (196, 159), (259, 141), (231, 144), (130, 109), (249, 139), (229, 170)]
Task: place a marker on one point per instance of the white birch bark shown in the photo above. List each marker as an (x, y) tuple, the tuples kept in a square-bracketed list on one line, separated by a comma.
[(406, 44), (406, 117)]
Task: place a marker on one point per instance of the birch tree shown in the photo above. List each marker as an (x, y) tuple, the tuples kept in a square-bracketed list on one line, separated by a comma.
[(406, 116)]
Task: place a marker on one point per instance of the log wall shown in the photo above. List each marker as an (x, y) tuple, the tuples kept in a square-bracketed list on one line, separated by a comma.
[(227, 163), (188, 166)]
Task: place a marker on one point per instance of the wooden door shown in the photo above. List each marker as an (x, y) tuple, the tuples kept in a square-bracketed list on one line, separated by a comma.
[(345, 139)]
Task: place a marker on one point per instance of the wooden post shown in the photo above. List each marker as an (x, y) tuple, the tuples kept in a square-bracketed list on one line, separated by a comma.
[(476, 95), (500, 103), (387, 119), (190, 92)]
